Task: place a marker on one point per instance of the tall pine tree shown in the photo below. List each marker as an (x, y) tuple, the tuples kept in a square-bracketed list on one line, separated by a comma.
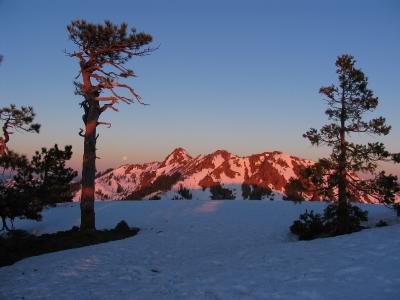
[(348, 102), (102, 51)]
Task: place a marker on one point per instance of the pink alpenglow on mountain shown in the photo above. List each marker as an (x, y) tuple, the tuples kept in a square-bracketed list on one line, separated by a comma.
[(197, 175)]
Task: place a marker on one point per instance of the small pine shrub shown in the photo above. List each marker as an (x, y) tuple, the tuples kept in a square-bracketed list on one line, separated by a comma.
[(185, 193), (343, 219), (258, 192), (309, 226), (336, 220), (246, 191), (381, 223), (294, 191), (122, 226), (220, 193), (255, 192)]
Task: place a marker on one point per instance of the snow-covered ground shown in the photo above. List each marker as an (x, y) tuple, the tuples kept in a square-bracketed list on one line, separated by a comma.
[(209, 250)]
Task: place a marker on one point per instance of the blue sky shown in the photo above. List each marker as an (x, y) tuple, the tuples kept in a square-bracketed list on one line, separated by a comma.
[(237, 75)]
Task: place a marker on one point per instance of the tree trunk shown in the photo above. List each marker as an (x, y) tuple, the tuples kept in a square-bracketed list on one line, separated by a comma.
[(5, 140), (3, 147), (342, 177), (342, 180), (89, 166), (5, 227)]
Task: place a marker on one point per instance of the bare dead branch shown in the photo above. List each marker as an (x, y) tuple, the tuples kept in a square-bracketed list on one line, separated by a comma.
[(104, 123), (131, 90), (108, 98), (108, 106), (81, 132), (122, 98)]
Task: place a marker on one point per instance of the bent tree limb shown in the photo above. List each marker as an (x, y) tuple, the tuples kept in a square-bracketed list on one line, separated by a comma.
[(14, 119)]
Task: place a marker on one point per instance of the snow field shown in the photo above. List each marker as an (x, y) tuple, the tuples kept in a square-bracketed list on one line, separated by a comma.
[(209, 250)]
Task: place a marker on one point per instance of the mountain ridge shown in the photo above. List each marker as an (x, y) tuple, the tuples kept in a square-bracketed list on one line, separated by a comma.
[(268, 171)]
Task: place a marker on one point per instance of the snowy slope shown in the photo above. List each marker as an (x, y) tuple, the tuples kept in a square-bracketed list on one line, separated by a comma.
[(209, 250)]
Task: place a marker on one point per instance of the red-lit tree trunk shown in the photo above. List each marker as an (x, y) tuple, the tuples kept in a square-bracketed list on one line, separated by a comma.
[(90, 118)]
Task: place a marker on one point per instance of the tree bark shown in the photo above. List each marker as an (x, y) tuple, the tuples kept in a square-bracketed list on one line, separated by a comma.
[(89, 167), (3, 147), (342, 178)]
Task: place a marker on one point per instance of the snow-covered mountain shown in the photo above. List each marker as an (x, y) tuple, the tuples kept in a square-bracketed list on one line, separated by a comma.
[(198, 174), (219, 175)]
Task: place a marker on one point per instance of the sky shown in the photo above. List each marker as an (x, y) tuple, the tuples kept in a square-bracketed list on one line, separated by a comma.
[(237, 75)]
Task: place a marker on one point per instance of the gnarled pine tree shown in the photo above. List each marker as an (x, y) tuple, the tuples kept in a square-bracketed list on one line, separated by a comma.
[(348, 102), (16, 119), (102, 51)]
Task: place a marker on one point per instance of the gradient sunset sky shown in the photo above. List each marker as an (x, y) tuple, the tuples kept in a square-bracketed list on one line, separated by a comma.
[(236, 75)]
